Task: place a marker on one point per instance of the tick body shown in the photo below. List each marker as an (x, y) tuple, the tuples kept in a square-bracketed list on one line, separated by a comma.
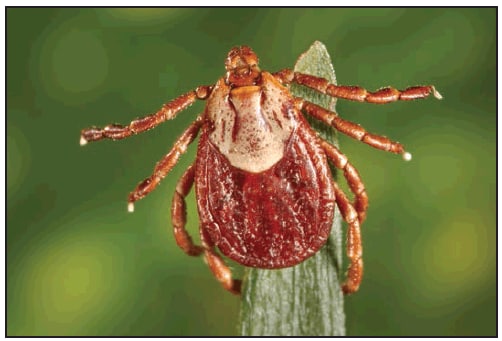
[(264, 190)]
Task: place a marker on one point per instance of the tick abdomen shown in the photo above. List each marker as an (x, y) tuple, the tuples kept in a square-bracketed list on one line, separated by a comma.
[(270, 219)]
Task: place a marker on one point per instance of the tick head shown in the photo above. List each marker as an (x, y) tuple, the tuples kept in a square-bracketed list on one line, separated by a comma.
[(242, 67)]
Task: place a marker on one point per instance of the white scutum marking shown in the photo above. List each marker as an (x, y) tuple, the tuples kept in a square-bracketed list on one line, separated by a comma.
[(251, 134)]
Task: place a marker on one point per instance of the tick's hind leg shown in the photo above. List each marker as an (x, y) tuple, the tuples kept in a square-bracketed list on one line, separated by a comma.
[(165, 165), (354, 245), (352, 176), (179, 216), (178, 212), (218, 267)]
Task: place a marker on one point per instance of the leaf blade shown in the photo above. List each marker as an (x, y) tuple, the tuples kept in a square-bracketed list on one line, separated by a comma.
[(304, 300)]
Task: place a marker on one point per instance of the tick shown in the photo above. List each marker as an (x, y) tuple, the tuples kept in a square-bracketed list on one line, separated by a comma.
[(265, 194)]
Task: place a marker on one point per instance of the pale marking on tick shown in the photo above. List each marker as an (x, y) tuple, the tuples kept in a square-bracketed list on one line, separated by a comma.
[(247, 129)]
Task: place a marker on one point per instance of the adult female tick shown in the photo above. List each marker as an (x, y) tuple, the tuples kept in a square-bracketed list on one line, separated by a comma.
[(265, 194)]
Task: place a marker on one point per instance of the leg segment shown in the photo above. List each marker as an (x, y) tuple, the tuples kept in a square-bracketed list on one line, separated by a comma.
[(354, 245), (179, 216), (221, 271), (356, 93), (218, 267), (165, 165), (167, 112), (285, 76), (353, 130), (351, 174)]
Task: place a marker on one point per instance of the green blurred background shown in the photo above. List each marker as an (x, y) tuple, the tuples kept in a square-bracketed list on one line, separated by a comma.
[(79, 264)]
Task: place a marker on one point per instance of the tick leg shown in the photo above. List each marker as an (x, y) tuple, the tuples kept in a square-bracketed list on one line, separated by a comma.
[(356, 185), (354, 245), (353, 130), (356, 93), (285, 76), (222, 272), (165, 165), (218, 267), (179, 216), (167, 112)]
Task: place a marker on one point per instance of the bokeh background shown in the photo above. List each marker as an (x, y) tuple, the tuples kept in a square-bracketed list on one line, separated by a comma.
[(79, 264)]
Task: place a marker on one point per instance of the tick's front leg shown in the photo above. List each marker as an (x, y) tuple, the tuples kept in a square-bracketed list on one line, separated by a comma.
[(356, 93), (167, 112)]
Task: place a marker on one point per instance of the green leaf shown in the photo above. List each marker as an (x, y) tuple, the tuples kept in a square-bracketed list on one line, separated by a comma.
[(304, 300)]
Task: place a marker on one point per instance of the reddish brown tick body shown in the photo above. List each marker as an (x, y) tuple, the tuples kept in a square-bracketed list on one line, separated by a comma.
[(265, 194)]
